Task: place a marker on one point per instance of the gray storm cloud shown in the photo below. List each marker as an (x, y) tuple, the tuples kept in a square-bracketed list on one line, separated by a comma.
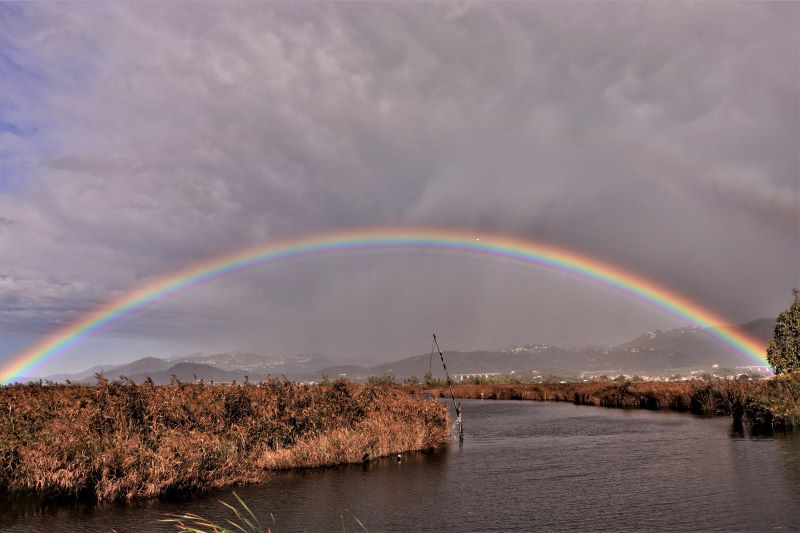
[(139, 138)]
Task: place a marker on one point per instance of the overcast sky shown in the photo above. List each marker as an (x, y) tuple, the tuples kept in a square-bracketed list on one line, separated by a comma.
[(136, 139)]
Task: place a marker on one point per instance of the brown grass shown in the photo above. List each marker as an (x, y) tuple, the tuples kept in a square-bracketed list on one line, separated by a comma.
[(773, 403), (122, 441)]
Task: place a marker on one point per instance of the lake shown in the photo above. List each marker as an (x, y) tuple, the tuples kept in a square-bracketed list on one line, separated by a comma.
[(523, 466)]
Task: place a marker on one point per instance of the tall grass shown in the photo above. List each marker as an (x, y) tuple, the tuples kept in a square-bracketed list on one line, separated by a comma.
[(771, 403), (122, 441), (242, 520)]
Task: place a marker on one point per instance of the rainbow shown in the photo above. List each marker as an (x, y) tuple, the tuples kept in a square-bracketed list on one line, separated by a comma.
[(354, 241)]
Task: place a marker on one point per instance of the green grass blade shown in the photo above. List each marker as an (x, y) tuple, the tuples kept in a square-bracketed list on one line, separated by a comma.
[(246, 508), (237, 526), (354, 517), (234, 510), (359, 522)]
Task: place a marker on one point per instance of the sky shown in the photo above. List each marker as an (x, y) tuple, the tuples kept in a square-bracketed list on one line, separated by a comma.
[(137, 139)]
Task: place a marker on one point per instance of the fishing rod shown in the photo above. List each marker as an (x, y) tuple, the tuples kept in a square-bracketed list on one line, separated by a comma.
[(456, 405)]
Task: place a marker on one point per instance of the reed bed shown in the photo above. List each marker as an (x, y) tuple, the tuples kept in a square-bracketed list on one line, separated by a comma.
[(769, 403), (122, 441)]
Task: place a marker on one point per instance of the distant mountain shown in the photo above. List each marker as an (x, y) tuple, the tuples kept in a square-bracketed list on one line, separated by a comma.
[(459, 363), (694, 346), (81, 376), (140, 366), (654, 351), (263, 365), (190, 373), (220, 368), (761, 328), (223, 367), (146, 365)]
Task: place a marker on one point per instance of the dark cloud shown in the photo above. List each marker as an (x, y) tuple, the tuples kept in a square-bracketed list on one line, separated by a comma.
[(662, 138)]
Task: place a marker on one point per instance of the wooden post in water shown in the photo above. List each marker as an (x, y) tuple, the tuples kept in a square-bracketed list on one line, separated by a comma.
[(457, 405), (460, 425)]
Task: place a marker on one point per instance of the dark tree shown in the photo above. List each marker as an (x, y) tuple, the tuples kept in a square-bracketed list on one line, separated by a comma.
[(783, 352)]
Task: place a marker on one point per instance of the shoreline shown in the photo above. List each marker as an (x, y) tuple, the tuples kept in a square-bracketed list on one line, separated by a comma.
[(772, 404)]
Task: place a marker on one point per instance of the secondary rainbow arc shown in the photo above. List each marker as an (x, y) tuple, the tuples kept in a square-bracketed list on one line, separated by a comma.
[(354, 241)]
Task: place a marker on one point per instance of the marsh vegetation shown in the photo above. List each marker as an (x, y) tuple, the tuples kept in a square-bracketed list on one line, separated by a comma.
[(773, 404), (123, 441)]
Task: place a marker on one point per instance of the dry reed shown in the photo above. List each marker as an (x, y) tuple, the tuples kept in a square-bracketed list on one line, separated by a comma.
[(122, 441), (769, 403)]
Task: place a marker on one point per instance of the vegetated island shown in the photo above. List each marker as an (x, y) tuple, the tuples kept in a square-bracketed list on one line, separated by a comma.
[(765, 404), (122, 441)]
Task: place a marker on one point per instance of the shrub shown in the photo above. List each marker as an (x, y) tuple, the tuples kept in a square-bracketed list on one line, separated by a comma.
[(783, 352)]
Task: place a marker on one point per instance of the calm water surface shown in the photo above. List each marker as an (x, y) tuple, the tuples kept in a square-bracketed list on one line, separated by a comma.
[(524, 466)]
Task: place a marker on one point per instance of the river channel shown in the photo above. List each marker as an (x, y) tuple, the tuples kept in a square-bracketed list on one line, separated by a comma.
[(524, 466)]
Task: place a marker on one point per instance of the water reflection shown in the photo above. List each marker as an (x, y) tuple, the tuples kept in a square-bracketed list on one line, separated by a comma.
[(788, 454), (740, 431)]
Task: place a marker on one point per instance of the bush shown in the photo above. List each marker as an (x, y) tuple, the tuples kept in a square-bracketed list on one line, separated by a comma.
[(383, 379)]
